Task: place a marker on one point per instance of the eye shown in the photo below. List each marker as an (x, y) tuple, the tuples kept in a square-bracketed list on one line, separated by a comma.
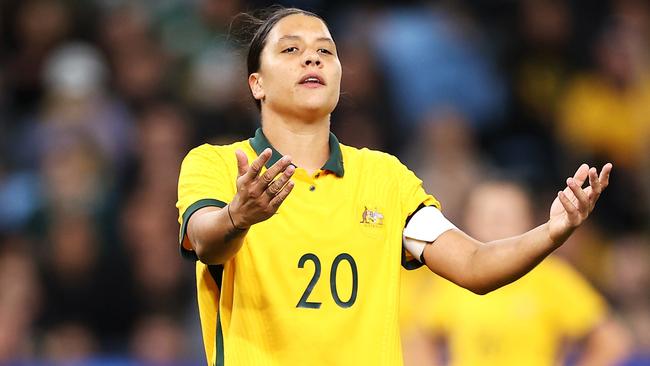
[(290, 50), (325, 50)]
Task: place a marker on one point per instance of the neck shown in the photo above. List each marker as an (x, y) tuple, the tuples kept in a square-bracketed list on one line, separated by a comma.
[(306, 142)]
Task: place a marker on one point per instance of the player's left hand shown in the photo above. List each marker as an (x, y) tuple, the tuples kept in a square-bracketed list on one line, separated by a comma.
[(573, 205)]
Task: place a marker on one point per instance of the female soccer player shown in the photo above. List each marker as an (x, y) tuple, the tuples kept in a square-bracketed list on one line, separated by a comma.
[(299, 252)]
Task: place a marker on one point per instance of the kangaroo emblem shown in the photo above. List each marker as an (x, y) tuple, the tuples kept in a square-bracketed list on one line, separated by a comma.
[(371, 217)]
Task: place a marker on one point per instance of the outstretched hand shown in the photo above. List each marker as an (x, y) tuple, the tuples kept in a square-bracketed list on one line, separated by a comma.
[(574, 204), (258, 196)]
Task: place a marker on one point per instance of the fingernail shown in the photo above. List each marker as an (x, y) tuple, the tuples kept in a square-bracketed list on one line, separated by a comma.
[(569, 181)]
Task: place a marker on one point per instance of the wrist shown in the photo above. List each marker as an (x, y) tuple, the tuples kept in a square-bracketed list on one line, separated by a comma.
[(557, 236), (234, 221)]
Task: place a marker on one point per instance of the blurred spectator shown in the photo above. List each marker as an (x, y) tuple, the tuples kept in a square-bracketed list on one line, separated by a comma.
[(542, 66), (76, 103), (163, 137), (213, 87), (73, 175), (364, 116), (605, 116), (629, 286), (124, 26), (19, 300), (140, 72), (187, 29), (434, 57), (636, 14), (158, 340), (37, 27), (446, 159), (160, 283), (69, 343), (19, 199), (606, 113), (539, 64), (84, 291), (589, 251), (213, 80), (526, 322), (73, 143)]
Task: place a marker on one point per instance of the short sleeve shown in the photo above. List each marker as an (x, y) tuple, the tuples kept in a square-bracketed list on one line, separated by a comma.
[(204, 181), (411, 196)]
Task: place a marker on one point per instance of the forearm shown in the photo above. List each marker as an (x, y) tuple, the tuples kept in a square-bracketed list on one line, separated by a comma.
[(213, 236), (484, 267), (500, 262)]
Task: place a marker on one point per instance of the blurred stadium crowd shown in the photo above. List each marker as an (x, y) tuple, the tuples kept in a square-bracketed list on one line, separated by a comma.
[(100, 100)]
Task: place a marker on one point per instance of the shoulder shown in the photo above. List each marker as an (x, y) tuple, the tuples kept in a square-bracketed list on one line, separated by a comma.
[(365, 158)]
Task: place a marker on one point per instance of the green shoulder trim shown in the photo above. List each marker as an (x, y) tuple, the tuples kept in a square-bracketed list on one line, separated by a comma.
[(219, 341), (334, 163), (216, 271), (188, 254)]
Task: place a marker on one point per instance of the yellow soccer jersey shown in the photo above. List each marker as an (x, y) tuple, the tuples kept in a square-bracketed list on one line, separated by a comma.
[(524, 323), (317, 283)]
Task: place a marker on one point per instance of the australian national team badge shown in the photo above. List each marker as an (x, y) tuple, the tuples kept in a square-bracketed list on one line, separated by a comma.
[(372, 217)]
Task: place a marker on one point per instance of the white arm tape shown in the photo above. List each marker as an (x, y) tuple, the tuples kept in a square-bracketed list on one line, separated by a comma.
[(425, 226)]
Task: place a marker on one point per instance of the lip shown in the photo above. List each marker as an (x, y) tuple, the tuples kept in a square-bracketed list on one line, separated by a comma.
[(320, 79)]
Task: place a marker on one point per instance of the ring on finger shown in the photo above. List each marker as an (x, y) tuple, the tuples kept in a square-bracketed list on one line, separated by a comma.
[(270, 192)]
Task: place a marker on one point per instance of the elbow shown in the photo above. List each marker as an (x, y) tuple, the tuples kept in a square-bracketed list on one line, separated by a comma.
[(202, 253), (208, 255), (471, 283), (205, 253), (212, 254), (475, 282), (478, 286), (481, 282), (480, 290)]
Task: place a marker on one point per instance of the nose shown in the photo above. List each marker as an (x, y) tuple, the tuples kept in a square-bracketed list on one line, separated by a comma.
[(312, 58)]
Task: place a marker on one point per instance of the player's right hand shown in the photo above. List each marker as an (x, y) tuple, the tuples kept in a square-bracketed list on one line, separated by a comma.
[(258, 196)]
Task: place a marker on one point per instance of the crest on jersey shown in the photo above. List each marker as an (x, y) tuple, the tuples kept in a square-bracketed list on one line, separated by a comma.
[(372, 217)]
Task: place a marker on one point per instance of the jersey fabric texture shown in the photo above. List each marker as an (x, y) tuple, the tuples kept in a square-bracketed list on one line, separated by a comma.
[(317, 283), (524, 323)]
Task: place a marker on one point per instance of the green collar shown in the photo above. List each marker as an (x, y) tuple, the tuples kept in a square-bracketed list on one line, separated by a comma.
[(333, 164)]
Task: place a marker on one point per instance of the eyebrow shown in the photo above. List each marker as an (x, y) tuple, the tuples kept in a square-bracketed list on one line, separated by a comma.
[(298, 38)]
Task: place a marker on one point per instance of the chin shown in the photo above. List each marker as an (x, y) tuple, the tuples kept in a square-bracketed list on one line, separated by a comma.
[(317, 107)]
